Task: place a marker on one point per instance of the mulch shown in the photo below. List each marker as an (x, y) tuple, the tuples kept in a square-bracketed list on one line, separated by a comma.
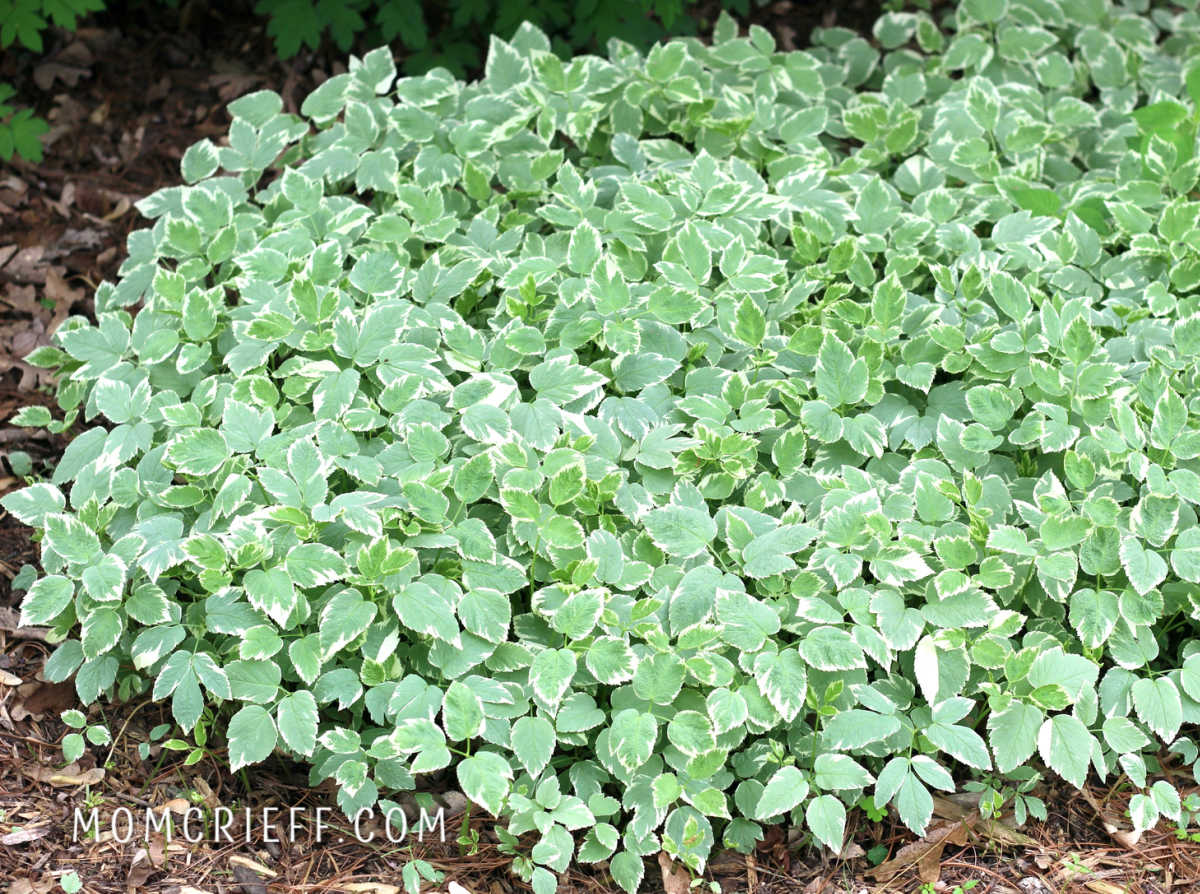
[(125, 96), (1085, 845)]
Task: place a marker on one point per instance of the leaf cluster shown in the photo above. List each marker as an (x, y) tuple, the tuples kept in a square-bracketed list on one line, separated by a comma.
[(671, 443)]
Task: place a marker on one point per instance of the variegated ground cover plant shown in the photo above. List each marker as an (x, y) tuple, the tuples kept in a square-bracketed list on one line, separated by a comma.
[(670, 445)]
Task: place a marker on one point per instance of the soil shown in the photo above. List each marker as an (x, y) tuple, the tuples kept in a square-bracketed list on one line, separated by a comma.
[(126, 95)]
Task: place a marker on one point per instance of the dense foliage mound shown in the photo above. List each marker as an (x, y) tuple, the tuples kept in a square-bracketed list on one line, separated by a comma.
[(670, 444)]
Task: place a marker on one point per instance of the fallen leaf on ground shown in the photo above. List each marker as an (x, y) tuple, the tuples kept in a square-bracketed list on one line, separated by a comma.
[(91, 777), (48, 697), (157, 852), (1102, 887), (26, 886), (43, 774), (1002, 833), (925, 854), (123, 205), (140, 869), (47, 73), (675, 878), (454, 802), (956, 806), (247, 863), (24, 266), (248, 881), (24, 836), (68, 65), (22, 299), (61, 293), (10, 622), (205, 791), (1127, 838), (851, 850)]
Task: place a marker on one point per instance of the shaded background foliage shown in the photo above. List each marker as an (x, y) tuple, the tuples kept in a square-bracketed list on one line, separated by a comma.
[(425, 34)]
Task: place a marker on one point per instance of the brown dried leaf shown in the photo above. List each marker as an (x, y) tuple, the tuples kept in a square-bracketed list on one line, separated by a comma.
[(140, 869), (57, 289), (247, 863), (47, 73), (66, 117), (205, 791), (22, 299), (43, 697), (925, 854), (956, 806), (24, 836), (10, 622), (675, 878), (232, 85), (43, 774), (23, 341), (76, 53), (123, 205), (851, 850), (1102, 887), (1002, 833), (247, 881), (158, 852), (1127, 838), (91, 777), (28, 886), (24, 266)]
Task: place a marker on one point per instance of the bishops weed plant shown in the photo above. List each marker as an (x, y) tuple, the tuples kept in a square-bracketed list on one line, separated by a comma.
[(666, 444)]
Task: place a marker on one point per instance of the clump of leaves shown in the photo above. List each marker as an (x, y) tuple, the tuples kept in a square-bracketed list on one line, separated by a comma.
[(74, 743), (673, 444)]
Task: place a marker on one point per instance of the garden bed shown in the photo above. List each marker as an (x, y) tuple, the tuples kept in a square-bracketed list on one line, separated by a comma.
[(122, 118)]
